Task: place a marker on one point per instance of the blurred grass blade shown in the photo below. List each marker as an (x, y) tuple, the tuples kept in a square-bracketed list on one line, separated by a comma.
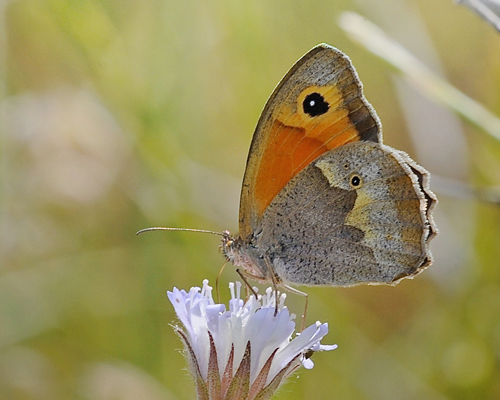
[(489, 10), (459, 190), (419, 75)]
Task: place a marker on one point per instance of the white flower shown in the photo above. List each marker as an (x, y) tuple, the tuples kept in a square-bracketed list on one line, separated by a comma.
[(245, 352)]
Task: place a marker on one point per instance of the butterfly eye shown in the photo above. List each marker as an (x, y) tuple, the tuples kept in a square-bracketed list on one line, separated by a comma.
[(356, 181), (314, 104)]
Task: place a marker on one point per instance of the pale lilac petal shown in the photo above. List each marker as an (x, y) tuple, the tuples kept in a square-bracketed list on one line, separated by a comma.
[(251, 321)]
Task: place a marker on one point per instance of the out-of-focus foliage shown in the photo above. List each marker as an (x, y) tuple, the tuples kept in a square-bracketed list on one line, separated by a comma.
[(489, 10), (119, 115)]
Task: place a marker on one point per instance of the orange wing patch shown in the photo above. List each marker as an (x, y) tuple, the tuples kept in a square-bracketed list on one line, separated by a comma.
[(297, 138)]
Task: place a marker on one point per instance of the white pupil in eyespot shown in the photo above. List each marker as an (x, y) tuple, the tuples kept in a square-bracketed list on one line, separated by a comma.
[(312, 103)]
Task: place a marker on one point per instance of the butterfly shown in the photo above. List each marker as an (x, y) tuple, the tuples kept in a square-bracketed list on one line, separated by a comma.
[(323, 200)]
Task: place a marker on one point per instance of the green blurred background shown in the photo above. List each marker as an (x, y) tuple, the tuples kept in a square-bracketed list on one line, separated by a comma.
[(120, 115)]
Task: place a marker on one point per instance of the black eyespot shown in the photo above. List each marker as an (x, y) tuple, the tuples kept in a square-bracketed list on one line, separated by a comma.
[(314, 104), (355, 181)]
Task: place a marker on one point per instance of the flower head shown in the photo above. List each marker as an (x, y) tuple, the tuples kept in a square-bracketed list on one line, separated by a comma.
[(245, 352)]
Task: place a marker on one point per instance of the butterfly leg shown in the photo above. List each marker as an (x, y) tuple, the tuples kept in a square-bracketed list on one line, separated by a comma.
[(244, 275), (277, 282), (304, 294), (217, 281)]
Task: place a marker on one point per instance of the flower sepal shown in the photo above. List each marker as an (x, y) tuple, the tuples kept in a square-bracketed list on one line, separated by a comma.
[(245, 353)]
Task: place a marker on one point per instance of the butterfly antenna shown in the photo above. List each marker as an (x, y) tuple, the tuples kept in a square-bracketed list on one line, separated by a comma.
[(160, 228)]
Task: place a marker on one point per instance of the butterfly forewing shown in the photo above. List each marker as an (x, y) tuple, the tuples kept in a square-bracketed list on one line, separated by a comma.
[(318, 106)]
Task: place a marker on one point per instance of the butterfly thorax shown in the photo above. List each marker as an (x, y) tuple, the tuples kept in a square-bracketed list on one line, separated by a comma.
[(243, 254)]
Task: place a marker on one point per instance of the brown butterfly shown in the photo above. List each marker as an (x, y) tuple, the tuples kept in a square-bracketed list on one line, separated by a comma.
[(323, 201)]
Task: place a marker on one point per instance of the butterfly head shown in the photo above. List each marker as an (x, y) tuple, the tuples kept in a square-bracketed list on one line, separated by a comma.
[(243, 254)]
